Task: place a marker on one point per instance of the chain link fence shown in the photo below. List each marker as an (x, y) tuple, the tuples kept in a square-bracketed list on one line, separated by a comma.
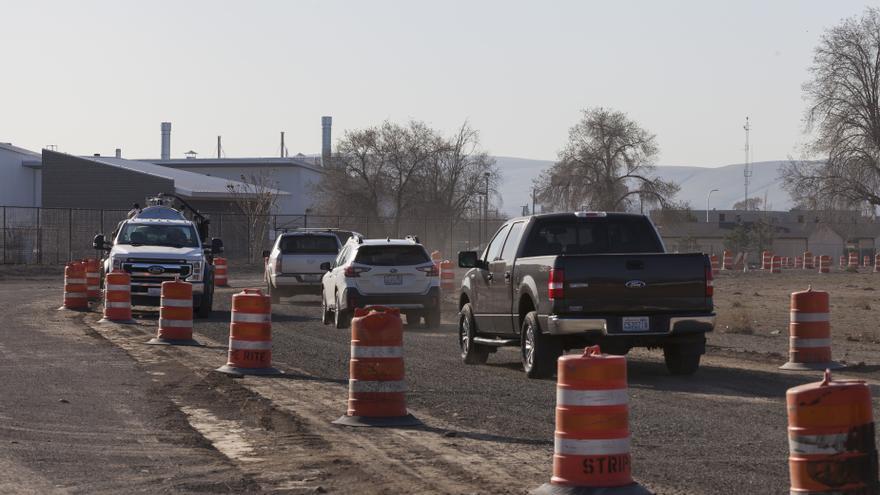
[(50, 236)]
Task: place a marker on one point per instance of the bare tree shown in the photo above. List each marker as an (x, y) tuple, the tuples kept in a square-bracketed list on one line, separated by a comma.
[(751, 204), (843, 119), (606, 164), (256, 196)]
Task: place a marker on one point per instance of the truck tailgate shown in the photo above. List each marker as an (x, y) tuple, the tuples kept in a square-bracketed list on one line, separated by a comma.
[(633, 283)]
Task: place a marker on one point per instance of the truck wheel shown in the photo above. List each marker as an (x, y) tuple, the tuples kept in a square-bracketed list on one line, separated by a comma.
[(326, 314), (471, 353), (539, 351), (680, 360), (413, 318), (341, 317), (206, 305), (432, 318), (273, 294)]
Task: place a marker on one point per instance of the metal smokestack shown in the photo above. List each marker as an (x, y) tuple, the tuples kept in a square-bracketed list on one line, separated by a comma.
[(166, 141), (118, 152), (326, 124)]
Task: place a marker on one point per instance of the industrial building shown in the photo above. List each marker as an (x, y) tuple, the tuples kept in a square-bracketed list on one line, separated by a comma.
[(19, 176)]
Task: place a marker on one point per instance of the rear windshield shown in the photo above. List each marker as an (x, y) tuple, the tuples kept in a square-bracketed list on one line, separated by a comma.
[(324, 244), (592, 236), (391, 255)]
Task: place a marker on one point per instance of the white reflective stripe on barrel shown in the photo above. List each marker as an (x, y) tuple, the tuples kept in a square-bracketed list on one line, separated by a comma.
[(164, 323), (611, 446), (117, 304), (91, 274), (800, 343), (74, 295), (361, 351), (93, 287), (126, 288), (250, 344), (801, 317), (71, 281), (818, 444), (569, 397), (370, 386), (238, 317), (175, 303)]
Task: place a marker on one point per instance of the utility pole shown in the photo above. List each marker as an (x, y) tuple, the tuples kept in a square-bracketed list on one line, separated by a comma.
[(747, 173), (486, 208)]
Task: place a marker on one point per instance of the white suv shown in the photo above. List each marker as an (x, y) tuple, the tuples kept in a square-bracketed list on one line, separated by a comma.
[(396, 273), (293, 266)]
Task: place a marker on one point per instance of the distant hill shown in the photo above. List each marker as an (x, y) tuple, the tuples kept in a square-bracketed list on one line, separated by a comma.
[(695, 182)]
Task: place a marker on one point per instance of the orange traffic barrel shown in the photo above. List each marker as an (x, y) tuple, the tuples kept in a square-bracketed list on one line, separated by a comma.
[(766, 260), (810, 332), (831, 438), (175, 314), (221, 272), (436, 256), (447, 275), (250, 335), (824, 263), (776, 265), (592, 442), (93, 278), (726, 260), (866, 261), (798, 262), (714, 260), (842, 262), (876, 263), (75, 287), (853, 261), (376, 385), (117, 297), (809, 260)]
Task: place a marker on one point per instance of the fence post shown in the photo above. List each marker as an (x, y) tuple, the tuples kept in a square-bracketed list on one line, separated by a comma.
[(249, 243), (39, 237), (69, 234), (5, 247)]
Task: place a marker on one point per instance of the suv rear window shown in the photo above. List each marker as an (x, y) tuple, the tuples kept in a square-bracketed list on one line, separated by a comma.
[(391, 255), (592, 236), (295, 244)]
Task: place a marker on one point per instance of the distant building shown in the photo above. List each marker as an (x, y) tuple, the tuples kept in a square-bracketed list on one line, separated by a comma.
[(794, 232), (19, 176), (99, 182)]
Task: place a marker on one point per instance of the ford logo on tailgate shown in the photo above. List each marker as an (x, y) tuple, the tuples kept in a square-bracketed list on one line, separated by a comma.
[(636, 284), (156, 270)]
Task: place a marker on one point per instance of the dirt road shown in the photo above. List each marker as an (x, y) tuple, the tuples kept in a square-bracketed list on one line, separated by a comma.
[(488, 428)]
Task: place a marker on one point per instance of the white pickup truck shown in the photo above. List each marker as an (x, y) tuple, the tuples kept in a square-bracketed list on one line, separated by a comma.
[(293, 265), (157, 244)]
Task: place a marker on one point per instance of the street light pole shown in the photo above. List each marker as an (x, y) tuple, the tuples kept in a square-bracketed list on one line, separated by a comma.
[(486, 207), (707, 204)]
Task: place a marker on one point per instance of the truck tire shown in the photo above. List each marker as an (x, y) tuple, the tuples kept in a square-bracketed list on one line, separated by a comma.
[(681, 359), (206, 305), (341, 317), (539, 351), (432, 318), (413, 318), (273, 294), (471, 353)]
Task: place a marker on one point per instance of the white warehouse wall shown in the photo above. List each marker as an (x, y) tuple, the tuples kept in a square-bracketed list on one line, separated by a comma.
[(19, 185)]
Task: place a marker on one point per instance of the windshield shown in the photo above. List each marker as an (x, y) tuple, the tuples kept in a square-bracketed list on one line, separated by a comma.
[(158, 235), (593, 236)]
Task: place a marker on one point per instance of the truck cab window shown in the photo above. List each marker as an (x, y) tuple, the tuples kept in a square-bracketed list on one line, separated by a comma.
[(494, 249), (509, 251)]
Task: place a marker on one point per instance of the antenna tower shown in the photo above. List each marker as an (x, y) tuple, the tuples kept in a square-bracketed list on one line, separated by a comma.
[(747, 172)]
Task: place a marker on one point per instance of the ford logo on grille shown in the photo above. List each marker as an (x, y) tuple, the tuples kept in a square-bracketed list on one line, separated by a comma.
[(156, 270), (636, 284)]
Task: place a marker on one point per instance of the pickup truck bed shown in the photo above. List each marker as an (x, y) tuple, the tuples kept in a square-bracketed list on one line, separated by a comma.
[(547, 289)]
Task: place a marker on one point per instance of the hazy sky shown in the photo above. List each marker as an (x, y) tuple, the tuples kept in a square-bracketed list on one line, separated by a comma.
[(90, 76)]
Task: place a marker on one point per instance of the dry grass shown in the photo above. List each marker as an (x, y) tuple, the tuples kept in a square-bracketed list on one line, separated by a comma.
[(739, 321)]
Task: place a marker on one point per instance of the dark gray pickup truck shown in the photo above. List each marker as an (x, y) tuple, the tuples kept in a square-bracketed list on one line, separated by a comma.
[(549, 283)]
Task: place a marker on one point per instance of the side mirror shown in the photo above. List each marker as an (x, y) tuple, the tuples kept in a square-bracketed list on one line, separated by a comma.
[(325, 266), (99, 243), (216, 246), (265, 253), (468, 259)]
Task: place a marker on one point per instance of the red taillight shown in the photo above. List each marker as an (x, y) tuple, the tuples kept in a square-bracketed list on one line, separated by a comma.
[(556, 284), (278, 265), (355, 271), (431, 271), (710, 287)]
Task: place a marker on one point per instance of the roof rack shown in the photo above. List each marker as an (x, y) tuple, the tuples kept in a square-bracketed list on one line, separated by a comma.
[(413, 238)]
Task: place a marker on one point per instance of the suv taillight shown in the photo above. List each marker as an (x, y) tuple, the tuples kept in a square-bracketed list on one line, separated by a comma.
[(355, 271), (431, 271), (278, 264), (710, 287), (556, 284)]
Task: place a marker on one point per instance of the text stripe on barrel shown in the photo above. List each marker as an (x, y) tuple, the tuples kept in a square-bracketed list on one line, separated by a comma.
[(362, 386)]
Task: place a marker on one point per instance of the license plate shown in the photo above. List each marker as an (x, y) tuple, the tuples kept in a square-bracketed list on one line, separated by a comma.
[(311, 278), (636, 324), (393, 279), (154, 291)]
